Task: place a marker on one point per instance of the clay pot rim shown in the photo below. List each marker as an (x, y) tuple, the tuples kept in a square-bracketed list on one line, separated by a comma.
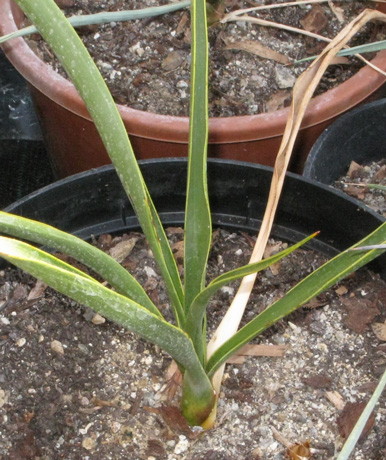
[(175, 129)]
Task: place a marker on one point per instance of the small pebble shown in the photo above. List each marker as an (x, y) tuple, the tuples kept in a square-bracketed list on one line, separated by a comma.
[(89, 443), (57, 347), (21, 342)]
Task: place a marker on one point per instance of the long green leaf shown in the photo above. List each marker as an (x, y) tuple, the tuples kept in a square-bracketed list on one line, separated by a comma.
[(76, 60), (318, 281), (89, 255), (198, 308), (115, 307), (352, 440), (198, 226), (106, 17)]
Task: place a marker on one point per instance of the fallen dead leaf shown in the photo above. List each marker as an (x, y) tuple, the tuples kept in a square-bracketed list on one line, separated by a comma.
[(280, 438), (353, 169), (182, 24), (172, 61), (315, 21), (379, 330), (335, 398), (380, 174), (100, 402), (317, 302), (356, 191), (257, 350), (340, 60), (278, 100), (174, 419), (175, 231), (123, 249), (254, 47), (339, 12), (272, 249), (37, 291), (360, 313), (299, 451), (178, 251), (341, 290), (263, 350), (350, 415), (320, 381)]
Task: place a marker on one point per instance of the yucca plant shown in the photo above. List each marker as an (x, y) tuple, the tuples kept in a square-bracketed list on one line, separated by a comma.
[(126, 301)]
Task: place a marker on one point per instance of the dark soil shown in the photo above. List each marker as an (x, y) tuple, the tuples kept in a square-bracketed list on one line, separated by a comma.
[(146, 63), (355, 181), (74, 386)]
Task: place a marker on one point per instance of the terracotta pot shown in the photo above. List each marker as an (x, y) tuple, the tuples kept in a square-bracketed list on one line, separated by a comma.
[(74, 144)]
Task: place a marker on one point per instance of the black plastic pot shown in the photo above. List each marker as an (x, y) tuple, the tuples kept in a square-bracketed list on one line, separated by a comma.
[(93, 203), (24, 163), (357, 136)]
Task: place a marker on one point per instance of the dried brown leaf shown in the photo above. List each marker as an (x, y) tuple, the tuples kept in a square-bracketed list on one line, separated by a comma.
[(350, 415), (178, 251), (302, 93), (254, 47), (360, 313), (299, 451), (339, 12), (172, 61), (335, 398), (263, 350), (278, 100), (320, 381), (37, 291), (315, 21), (353, 169), (379, 330), (341, 290), (380, 174), (123, 249)]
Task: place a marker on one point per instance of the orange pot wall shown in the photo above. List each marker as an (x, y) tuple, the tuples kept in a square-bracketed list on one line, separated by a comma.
[(74, 145)]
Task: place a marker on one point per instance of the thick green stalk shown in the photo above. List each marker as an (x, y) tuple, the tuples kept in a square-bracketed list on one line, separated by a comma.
[(66, 44)]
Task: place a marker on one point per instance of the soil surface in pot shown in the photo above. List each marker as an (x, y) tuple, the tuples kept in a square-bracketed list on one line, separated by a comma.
[(146, 63), (74, 386), (355, 181)]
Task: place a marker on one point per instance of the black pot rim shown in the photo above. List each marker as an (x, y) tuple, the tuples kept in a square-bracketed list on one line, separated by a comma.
[(306, 206), (357, 135)]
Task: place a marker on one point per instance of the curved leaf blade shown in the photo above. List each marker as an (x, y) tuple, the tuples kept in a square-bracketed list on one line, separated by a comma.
[(84, 289), (101, 106), (197, 310), (80, 250), (321, 279), (198, 226)]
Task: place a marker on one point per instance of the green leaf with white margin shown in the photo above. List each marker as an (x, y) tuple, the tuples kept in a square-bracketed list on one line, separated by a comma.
[(113, 306), (64, 41), (321, 279), (73, 246), (352, 440), (198, 226), (198, 308)]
